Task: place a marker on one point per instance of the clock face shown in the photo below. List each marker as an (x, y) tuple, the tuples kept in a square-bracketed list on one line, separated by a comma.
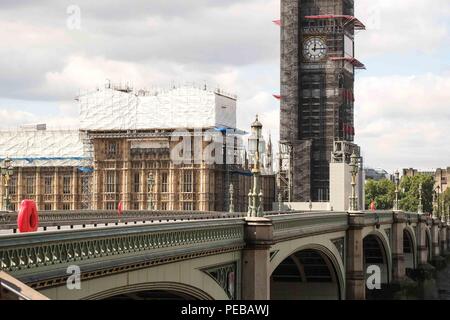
[(314, 49)]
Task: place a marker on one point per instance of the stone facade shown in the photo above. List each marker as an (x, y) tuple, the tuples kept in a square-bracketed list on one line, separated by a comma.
[(441, 176), (122, 162)]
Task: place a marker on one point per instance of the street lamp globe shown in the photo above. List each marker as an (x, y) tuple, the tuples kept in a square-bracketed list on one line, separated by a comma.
[(256, 142), (354, 163), (397, 177), (257, 127)]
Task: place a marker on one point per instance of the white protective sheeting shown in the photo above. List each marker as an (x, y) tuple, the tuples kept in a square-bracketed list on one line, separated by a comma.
[(184, 107), (43, 147)]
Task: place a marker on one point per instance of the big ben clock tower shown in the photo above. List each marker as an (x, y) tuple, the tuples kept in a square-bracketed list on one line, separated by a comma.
[(317, 82)]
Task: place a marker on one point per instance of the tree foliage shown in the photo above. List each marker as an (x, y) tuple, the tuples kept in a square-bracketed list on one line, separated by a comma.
[(446, 199), (382, 192), (409, 195)]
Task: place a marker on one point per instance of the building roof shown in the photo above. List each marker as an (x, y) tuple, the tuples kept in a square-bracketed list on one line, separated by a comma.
[(113, 108), (116, 108), (43, 147), (376, 173)]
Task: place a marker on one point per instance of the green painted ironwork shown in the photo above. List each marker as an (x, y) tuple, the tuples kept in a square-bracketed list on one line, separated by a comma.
[(83, 218), (30, 253)]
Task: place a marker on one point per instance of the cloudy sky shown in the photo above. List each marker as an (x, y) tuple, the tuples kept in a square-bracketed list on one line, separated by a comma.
[(403, 99)]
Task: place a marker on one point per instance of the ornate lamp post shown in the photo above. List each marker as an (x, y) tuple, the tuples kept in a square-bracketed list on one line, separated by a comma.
[(6, 172), (354, 164), (438, 202), (231, 209), (150, 183), (443, 215), (397, 191), (256, 146), (435, 209), (280, 201), (420, 209)]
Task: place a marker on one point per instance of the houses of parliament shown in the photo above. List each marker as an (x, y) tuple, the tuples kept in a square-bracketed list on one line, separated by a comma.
[(123, 152)]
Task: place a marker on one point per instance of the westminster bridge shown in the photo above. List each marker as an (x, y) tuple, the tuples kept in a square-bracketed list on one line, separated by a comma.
[(206, 255)]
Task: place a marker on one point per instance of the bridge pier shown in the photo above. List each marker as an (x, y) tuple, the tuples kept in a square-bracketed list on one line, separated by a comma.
[(398, 256), (437, 260), (425, 273), (422, 238), (402, 286), (256, 259), (356, 288)]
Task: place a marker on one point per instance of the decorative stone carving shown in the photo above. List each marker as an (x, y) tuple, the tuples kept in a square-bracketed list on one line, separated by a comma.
[(225, 276), (340, 246)]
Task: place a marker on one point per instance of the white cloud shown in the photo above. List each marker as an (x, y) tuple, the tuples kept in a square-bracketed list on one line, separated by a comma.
[(17, 34), (14, 118), (402, 26), (404, 121), (87, 73), (65, 118)]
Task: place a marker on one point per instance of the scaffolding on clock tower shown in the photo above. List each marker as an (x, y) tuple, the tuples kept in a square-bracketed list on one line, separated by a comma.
[(317, 96)]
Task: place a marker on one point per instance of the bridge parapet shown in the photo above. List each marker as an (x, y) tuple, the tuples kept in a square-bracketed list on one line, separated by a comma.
[(412, 217), (378, 217), (389, 217), (99, 218), (306, 224), (47, 219), (41, 259)]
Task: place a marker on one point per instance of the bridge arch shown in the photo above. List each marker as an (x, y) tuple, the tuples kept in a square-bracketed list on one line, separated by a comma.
[(410, 248), (184, 279), (377, 252), (308, 272), (152, 291)]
